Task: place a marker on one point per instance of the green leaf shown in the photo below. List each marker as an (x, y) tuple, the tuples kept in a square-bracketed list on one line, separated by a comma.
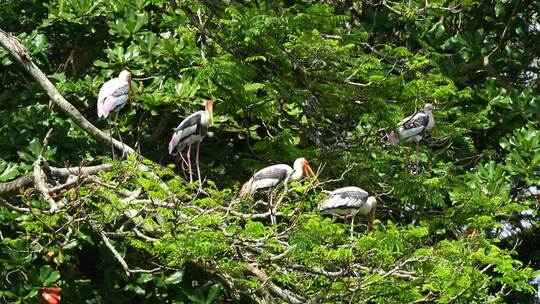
[(47, 275), (145, 278), (35, 147), (32, 293), (255, 229), (10, 171), (499, 9), (214, 293), (174, 278)]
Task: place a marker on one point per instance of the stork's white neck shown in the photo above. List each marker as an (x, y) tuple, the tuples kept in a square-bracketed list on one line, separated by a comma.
[(371, 202), (205, 117), (431, 122), (298, 170), (124, 75)]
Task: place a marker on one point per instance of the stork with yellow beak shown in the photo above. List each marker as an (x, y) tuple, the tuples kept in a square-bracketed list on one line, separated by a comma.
[(350, 201), (192, 130), (270, 177)]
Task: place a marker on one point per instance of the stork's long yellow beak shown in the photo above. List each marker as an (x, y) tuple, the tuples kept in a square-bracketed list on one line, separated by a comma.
[(307, 170), (210, 109), (131, 93), (372, 218)]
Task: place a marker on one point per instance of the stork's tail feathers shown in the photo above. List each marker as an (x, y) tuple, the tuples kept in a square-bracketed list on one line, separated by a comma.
[(392, 138), (245, 192), (320, 207), (100, 111), (173, 144)]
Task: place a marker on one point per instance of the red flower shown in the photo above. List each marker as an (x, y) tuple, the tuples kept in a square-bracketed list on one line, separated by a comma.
[(52, 294)]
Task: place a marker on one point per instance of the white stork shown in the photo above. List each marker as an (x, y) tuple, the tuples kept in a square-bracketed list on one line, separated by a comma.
[(192, 130), (350, 201), (113, 95), (270, 177), (414, 128)]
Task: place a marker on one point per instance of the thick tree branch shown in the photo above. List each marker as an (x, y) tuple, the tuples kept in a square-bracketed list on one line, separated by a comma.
[(16, 184), (28, 179)]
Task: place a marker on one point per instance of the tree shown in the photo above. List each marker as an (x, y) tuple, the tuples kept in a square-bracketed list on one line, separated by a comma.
[(325, 80)]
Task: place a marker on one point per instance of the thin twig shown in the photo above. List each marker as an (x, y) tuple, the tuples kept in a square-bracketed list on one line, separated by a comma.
[(113, 250)]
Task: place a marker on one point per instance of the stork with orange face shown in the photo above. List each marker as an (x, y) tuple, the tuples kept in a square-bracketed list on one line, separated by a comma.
[(272, 176)]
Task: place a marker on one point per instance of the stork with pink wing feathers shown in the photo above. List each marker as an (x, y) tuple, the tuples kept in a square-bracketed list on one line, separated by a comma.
[(113, 95), (192, 130)]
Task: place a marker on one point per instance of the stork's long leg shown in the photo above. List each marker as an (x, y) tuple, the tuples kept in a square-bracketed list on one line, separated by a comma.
[(189, 163), (417, 156), (197, 164), (111, 135), (271, 203), (118, 131), (184, 162), (352, 225), (407, 159)]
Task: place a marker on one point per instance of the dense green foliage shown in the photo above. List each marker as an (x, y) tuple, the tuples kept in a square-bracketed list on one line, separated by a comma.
[(325, 80)]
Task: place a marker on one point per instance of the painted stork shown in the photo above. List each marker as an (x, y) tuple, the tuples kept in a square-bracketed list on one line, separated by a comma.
[(350, 201), (414, 128), (192, 130), (113, 95), (271, 176)]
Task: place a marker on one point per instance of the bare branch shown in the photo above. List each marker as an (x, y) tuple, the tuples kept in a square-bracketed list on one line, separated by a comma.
[(274, 289), (28, 179), (254, 216), (117, 255), (80, 171), (347, 170), (41, 185), (16, 184), (12, 207), (39, 176), (223, 276), (76, 180), (113, 250)]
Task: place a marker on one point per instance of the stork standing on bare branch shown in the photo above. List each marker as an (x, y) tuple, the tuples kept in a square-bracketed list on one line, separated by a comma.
[(192, 130), (113, 95), (350, 201), (414, 127)]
